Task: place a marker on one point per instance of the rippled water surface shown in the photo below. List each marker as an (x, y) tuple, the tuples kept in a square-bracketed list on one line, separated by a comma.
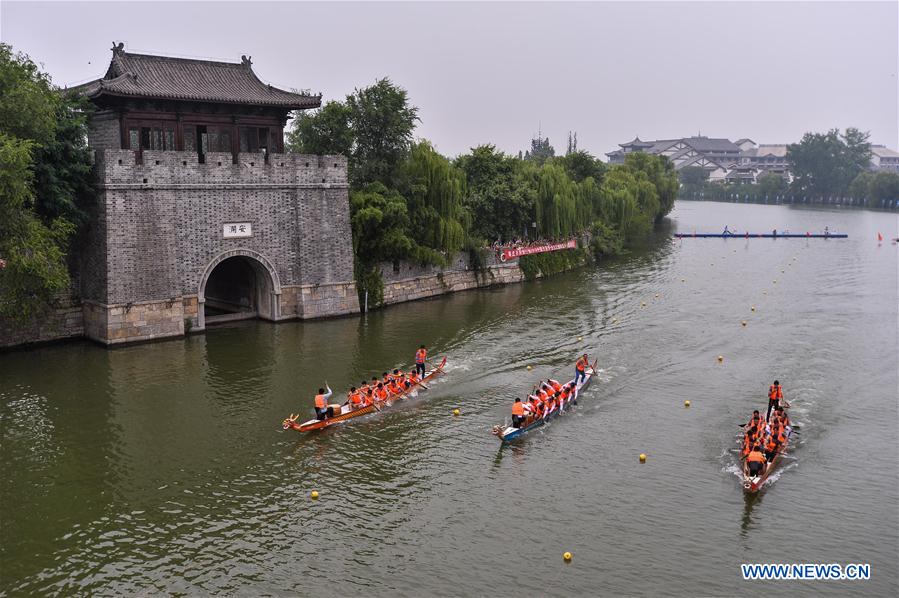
[(163, 467)]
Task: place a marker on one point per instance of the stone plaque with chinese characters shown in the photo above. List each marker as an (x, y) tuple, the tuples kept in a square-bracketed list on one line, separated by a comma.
[(237, 230)]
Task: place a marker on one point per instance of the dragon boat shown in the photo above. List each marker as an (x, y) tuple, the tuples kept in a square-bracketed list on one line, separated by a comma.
[(507, 432), (344, 413), (752, 484)]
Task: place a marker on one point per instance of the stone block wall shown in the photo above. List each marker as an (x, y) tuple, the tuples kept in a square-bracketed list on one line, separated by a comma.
[(159, 232), (410, 282), (65, 321)]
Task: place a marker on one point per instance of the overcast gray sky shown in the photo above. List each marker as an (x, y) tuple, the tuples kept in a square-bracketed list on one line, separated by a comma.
[(494, 72)]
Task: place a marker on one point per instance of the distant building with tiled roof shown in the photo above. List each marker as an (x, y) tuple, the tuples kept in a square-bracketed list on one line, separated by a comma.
[(767, 158), (715, 155), (883, 158)]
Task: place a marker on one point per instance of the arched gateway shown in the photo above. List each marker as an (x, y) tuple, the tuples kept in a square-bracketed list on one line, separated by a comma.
[(238, 284), (181, 180)]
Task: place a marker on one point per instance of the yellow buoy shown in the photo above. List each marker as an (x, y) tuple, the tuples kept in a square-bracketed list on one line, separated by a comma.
[(456, 412), (580, 338), (614, 320), (720, 358), (743, 322), (314, 495), (683, 280), (687, 403), (567, 556), (657, 295), (643, 304), (753, 308), (782, 271), (764, 292), (712, 264), (530, 368), (642, 457)]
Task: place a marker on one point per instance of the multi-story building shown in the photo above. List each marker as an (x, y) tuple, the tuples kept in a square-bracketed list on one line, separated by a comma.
[(714, 155), (883, 158)]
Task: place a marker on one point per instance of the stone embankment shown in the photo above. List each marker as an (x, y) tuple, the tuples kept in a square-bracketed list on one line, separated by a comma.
[(409, 282)]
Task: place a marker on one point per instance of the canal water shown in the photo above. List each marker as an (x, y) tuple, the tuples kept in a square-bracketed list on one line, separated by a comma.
[(163, 467)]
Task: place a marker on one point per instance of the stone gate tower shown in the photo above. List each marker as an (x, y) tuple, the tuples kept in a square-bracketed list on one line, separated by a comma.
[(201, 216)]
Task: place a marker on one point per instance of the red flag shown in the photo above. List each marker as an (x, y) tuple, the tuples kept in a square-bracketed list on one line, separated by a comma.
[(879, 237)]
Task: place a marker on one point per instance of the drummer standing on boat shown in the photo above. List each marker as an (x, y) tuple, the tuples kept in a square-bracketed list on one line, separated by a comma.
[(580, 373), (420, 356), (322, 410), (775, 394)]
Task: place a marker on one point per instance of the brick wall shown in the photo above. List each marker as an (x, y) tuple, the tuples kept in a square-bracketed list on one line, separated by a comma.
[(103, 131), (63, 322), (160, 227)]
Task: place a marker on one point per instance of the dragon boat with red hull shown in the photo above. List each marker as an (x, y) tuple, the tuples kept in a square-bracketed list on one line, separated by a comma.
[(507, 433), (345, 413), (753, 483)]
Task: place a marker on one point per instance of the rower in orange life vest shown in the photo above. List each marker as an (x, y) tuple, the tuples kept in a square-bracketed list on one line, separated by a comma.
[(322, 410), (775, 394), (776, 440), (420, 356), (580, 368), (784, 419), (755, 461), (354, 398), (518, 413)]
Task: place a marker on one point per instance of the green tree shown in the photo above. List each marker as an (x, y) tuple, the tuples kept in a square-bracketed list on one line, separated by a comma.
[(380, 221), (434, 188), (825, 164), (770, 185), (860, 188), (382, 121), (580, 165), (323, 131), (659, 172), (884, 185), (42, 148), (499, 196), (540, 151), (693, 175)]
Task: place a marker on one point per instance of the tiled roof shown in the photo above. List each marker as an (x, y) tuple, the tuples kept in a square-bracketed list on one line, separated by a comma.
[(883, 152), (711, 144), (162, 77), (637, 143)]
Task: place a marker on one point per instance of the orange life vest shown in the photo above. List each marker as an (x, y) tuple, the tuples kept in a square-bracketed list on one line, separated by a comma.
[(775, 392), (320, 402), (581, 364), (421, 355), (518, 408), (382, 393), (556, 386), (755, 456), (356, 398)]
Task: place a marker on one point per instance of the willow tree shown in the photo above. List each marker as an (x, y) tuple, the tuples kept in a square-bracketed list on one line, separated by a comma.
[(434, 189), (556, 205), (619, 204)]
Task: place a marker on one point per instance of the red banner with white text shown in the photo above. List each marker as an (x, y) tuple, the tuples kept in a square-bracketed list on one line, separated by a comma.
[(508, 254)]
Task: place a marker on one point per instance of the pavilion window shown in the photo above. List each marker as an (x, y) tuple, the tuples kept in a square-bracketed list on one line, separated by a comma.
[(189, 134), (255, 139)]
